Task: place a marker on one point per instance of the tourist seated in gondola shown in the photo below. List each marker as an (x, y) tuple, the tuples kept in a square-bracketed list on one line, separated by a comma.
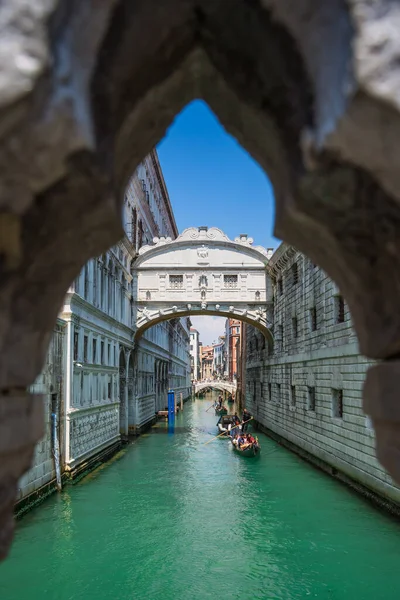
[(238, 440)]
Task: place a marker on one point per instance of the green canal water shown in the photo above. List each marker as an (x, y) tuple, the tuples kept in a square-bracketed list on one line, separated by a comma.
[(171, 518)]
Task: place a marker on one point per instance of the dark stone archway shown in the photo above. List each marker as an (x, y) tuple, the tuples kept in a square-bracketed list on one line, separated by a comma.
[(95, 86)]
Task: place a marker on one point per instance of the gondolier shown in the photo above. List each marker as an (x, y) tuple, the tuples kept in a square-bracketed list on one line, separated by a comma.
[(245, 417)]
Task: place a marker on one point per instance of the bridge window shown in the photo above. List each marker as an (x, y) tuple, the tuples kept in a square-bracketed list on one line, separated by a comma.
[(176, 282), (230, 281)]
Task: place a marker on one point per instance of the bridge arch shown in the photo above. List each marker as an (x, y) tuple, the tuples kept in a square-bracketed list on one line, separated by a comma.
[(203, 272)]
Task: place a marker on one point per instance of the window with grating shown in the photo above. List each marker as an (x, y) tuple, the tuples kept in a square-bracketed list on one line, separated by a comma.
[(339, 309), (337, 403), (176, 282), (313, 318), (295, 274), (311, 398), (293, 395), (278, 392), (230, 281), (295, 327)]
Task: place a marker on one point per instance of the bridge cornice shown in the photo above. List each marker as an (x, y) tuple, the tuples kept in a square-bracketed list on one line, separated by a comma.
[(212, 237)]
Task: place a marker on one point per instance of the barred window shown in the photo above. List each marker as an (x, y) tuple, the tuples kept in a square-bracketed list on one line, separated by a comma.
[(295, 274), (278, 392), (337, 403), (313, 318), (339, 309), (295, 327), (311, 398), (230, 281), (293, 395), (176, 282)]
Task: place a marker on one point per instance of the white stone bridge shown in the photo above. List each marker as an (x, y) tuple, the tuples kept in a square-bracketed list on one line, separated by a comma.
[(203, 272), (227, 386)]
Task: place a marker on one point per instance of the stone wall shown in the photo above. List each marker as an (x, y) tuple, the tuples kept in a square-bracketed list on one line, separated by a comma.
[(308, 390), (49, 384)]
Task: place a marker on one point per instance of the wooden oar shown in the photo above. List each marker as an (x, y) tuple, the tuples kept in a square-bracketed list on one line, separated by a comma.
[(224, 432), (212, 405)]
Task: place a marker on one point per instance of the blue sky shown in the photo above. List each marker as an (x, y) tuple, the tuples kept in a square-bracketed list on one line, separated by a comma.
[(212, 181)]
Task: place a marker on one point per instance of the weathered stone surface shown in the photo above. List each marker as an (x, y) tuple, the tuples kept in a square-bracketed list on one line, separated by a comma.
[(88, 88), (383, 382), (21, 426), (293, 390)]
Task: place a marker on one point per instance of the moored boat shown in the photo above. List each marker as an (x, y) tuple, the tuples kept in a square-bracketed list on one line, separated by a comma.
[(250, 450)]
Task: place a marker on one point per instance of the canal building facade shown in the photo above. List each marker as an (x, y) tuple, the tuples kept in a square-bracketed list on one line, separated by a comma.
[(207, 361), (195, 354), (307, 391), (113, 382), (49, 453)]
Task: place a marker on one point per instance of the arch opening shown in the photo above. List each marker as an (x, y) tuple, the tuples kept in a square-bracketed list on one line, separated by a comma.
[(328, 204)]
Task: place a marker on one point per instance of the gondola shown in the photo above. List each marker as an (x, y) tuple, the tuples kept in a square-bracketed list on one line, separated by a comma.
[(225, 424), (221, 411), (230, 400), (251, 451)]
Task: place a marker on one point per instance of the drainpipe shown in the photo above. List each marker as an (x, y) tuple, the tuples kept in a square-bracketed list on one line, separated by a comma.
[(55, 448)]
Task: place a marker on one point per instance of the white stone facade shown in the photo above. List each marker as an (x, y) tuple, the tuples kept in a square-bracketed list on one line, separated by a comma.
[(202, 272), (309, 389), (113, 382), (195, 354)]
